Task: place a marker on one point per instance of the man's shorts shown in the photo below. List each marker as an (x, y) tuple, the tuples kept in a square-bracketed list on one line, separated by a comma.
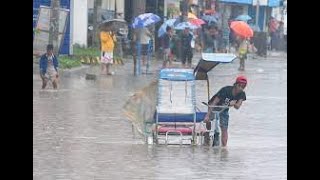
[(224, 119)]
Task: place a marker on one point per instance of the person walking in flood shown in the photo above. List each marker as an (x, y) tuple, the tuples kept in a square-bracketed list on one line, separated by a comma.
[(231, 96), (145, 36), (187, 54), (165, 40), (243, 47), (49, 68)]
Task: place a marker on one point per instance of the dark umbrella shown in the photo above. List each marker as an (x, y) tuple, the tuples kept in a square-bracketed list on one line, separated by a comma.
[(113, 24)]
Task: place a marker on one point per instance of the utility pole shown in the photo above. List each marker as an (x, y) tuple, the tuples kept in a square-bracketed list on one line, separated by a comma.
[(96, 6), (115, 10), (257, 12)]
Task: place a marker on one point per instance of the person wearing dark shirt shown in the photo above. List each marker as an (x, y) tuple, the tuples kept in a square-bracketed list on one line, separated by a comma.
[(208, 41), (212, 41), (231, 96), (48, 65), (165, 44), (187, 54)]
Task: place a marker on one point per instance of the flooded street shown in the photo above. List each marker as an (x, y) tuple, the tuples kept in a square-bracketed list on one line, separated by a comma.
[(80, 132)]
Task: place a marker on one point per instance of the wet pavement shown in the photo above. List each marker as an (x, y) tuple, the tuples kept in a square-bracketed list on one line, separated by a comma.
[(80, 133)]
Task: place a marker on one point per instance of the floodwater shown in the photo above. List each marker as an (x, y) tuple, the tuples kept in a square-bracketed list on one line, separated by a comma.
[(80, 132)]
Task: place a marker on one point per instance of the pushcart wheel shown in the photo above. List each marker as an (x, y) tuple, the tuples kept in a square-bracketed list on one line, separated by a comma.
[(216, 139), (206, 139)]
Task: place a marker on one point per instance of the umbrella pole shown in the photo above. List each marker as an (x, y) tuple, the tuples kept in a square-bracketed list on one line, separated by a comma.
[(138, 58), (257, 12), (208, 89), (148, 57)]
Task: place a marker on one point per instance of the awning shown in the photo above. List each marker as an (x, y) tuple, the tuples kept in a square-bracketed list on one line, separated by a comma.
[(270, 3), (209, 61), (248, 2), (273, 3), (176, 74)]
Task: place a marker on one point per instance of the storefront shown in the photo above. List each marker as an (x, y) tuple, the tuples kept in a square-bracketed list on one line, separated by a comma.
[(66, 44)]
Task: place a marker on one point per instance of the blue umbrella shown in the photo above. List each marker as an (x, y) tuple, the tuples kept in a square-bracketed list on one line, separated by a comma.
[(163, 27), (243, 17), (183, 25), (170, 22), (145, 19), (209, 18)]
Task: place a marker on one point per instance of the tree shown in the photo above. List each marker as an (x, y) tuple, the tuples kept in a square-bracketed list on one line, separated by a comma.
[(54, 25), (96, 6)]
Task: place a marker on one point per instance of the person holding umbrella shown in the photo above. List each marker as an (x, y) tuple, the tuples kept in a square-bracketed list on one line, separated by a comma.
[(243, 46), (108, 39), (145, 36), (165, 40), (243, 32)]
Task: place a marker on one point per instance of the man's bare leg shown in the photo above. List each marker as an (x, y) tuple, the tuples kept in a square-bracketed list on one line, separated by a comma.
[(55, 83), (108, 69), (103, 68), (44, 82), (224, 136)]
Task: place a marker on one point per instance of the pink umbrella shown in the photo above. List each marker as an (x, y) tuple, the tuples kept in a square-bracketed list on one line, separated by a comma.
[(197, 22), (242, 29)]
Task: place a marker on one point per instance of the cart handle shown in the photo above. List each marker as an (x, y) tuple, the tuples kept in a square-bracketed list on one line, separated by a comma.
[(223, 107)]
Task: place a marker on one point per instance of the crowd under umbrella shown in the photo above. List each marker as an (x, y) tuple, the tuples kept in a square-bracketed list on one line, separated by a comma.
[(142, 21)]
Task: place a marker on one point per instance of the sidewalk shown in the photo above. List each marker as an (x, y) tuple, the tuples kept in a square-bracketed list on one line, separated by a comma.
[(277, 54), (64, 72), (155, 65)]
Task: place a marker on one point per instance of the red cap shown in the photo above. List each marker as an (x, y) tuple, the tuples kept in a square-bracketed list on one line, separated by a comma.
[(241, 79)]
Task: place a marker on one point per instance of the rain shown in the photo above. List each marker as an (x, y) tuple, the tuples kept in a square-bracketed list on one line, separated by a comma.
[(109, 106)]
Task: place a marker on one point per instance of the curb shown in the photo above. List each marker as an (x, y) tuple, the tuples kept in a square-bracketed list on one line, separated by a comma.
[(65, 72), (76, 70)]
